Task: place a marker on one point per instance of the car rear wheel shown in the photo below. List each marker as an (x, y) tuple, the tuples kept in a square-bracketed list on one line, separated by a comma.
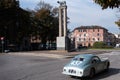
[(92, 73)]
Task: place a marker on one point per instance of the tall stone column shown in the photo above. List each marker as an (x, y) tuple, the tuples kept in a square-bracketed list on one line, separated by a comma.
[(60, 22), (62, 40), (65, 20), (62, 19)]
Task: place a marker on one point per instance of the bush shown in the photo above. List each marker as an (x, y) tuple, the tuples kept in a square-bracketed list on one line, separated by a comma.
[(101, 45)]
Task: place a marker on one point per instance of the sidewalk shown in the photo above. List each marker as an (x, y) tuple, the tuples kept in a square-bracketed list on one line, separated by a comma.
[(57, 54), (38, 54)]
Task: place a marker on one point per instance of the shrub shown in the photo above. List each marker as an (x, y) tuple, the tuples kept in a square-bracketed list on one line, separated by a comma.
[(99, 45)]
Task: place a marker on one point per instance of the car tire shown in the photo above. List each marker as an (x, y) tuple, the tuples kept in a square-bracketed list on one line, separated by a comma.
[(107, 66), (92, 73)]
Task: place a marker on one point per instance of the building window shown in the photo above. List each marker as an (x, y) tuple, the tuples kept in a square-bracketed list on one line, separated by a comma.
[(80, 30), (98, 39), (84, 35), (93, 30), (89, 39), (98, 34), (84, 39), (93, 39), (79, 39), (84, 30), (80, 35), (84, 44), (98, 30)]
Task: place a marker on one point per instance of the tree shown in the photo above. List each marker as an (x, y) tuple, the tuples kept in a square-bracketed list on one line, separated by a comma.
[(108, 3), (8, 9), (15, 23), (8, 4), (46, 21), (118, 23), (111, 4), (99, 45)]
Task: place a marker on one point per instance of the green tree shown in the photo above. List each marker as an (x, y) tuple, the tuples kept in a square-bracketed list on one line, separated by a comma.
[(8, 9), (15, 23), (108, 3), (23, 25), (99, 45), (118, 23), (46, 21), (8, 4)]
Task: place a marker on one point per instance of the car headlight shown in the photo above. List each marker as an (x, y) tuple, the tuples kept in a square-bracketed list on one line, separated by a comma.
[(80, 72), (64, 70)]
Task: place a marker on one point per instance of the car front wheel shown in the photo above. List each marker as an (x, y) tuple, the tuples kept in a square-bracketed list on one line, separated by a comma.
[(92, 73), (107, 66)]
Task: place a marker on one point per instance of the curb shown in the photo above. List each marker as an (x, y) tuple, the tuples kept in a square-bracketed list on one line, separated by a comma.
[(40, 54)]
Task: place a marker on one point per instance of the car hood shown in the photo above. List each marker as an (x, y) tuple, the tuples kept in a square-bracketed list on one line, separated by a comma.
[(79, 64)]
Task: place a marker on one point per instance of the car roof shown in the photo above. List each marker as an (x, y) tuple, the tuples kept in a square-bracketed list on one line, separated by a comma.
[(86, 56)]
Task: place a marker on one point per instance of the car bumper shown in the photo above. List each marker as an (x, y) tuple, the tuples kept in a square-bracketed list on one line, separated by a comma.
[(72, 71)]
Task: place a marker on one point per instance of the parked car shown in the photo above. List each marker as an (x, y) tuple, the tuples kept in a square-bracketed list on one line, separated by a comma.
[(86, 65)]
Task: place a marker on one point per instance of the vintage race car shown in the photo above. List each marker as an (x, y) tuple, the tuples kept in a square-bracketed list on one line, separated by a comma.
[(86, 65)]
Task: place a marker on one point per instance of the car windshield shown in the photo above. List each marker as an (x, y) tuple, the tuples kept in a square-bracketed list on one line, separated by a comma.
[(78, 59)]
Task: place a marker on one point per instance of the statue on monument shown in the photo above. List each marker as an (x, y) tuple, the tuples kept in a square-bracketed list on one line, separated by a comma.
[(62, 3)]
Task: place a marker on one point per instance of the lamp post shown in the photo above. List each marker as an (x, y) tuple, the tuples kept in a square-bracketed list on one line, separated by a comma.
[(2, 42)]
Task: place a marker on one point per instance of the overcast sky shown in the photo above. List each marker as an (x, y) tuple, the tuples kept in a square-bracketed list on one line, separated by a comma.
[(82, 13)]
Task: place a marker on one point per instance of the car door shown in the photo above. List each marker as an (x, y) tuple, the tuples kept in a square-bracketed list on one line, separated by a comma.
[(97, 63)]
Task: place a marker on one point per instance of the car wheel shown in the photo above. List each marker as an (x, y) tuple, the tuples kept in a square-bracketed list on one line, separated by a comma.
[(72, 76), (92, 73), (107, 67)]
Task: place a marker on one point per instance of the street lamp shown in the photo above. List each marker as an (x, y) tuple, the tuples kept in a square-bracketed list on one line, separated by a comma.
[(2, 42)]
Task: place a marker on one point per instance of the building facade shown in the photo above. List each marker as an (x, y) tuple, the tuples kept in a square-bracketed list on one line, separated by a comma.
[(88, 35)]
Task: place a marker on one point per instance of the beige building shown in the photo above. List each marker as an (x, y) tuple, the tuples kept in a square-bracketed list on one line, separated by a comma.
[(88, 35)]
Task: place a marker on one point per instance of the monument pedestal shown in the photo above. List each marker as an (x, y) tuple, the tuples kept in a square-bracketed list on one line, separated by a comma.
[(62, 43)]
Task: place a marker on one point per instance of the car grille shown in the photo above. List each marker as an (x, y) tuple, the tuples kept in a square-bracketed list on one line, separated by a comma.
[(72, 71)]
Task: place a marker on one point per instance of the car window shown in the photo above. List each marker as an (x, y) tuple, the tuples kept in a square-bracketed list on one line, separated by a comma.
[(78, 59), (95, 59)]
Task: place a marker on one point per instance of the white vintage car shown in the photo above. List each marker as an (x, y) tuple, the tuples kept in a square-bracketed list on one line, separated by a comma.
[(86, 65)]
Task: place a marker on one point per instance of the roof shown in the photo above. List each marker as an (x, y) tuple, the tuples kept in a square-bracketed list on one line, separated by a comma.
[(88, 56), (90, 27)]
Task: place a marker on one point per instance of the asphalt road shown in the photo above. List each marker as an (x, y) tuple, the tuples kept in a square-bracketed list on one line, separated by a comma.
[(16, 67)]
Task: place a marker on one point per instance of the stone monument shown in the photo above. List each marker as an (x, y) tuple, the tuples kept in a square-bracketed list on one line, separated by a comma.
[(62, 39)]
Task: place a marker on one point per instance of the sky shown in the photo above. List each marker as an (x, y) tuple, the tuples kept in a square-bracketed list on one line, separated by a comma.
[(82, 13)]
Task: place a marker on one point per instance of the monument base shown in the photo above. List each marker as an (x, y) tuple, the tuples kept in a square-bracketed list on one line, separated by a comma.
[(62, 43)]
